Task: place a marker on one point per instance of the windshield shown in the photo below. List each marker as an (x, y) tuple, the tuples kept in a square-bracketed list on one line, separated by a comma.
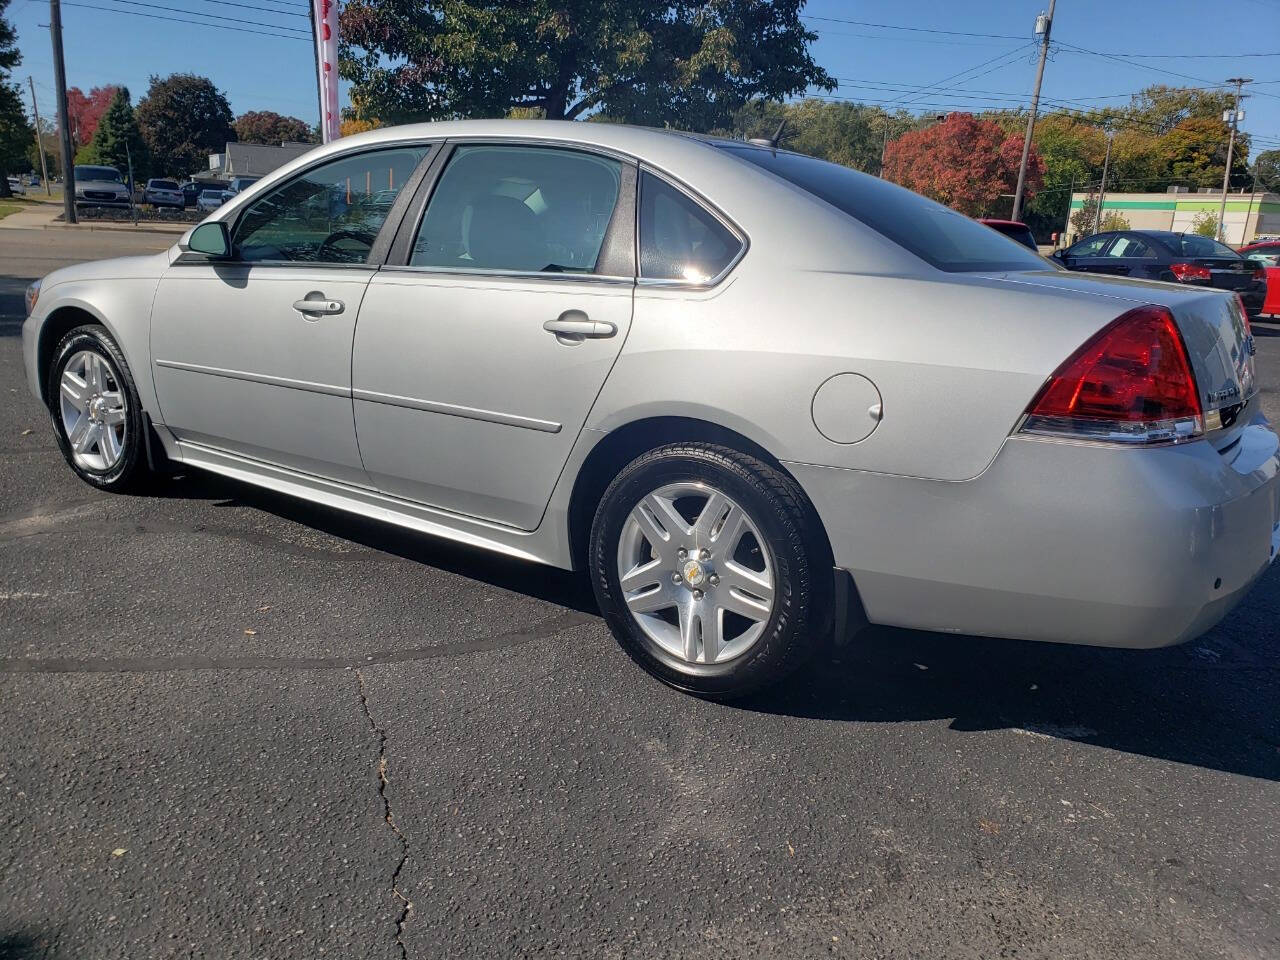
[(936, 234), (97, 173)]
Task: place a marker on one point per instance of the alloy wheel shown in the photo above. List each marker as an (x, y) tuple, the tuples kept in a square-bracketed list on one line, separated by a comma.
[(94, 411)]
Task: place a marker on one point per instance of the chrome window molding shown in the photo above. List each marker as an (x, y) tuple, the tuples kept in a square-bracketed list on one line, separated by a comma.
[(480, 273), (744, 240)]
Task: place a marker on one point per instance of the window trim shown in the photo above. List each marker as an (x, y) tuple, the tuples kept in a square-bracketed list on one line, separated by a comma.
[(381, 243), (402, 247), (744, 242)]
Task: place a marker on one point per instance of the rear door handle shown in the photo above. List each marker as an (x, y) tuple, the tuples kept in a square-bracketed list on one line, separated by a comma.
[(574, 326), (315, 305)]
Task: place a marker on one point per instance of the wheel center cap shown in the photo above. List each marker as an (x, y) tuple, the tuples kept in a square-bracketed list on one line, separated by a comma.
[(694, 573), (96, 407)]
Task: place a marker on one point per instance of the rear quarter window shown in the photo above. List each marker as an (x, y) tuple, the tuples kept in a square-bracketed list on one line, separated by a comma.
[(936, 234)]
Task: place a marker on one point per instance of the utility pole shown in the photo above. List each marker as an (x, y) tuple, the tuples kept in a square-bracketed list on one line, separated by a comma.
[(1234, 116), (35, 108), (1044, 26), (64, 127), (1102, 187), (1066, 228)]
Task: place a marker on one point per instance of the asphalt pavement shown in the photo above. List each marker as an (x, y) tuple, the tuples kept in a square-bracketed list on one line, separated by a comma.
[(235, 725)]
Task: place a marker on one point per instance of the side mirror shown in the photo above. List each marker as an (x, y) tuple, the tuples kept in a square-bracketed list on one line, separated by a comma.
[(211, 240), (1059, 255)]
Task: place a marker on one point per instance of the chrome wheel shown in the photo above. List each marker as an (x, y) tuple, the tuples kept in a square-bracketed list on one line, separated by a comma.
[(696, 574), (93, 409)]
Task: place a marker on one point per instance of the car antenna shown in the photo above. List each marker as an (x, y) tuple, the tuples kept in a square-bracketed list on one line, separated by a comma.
[(771, 141)]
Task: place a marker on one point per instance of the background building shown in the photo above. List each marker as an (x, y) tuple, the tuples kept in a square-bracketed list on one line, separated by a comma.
[(1248, 214)]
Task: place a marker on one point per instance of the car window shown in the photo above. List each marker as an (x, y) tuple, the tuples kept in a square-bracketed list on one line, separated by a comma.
[(679, 238), (110, 174), (936, 234), (519, 209), (328, 214), (1091, 247), (1131, 247), (1194, 245), (164, 185), (1267, 258)]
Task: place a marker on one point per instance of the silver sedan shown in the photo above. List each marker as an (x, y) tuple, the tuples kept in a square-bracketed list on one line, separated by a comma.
[(760, 399)]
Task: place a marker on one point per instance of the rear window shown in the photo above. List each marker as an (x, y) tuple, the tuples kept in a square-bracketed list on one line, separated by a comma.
[(164, 184), (936, 234), (1194, 245)]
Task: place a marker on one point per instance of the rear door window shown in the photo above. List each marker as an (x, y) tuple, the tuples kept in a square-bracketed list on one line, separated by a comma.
[(1132, 248), (1092, 247)]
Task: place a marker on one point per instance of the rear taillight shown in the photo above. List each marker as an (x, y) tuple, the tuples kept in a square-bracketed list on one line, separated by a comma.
[(1190, 272), (1131, 382), (1259, 275)]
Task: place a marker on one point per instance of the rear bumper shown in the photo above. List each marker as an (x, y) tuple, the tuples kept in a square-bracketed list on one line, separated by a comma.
[(1065, 542)]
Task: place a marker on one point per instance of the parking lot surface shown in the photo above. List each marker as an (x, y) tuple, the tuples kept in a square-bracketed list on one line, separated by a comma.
[(235, 725)]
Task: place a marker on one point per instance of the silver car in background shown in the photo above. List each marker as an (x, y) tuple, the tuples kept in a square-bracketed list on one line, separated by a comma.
[(97, 186), (163, 193), (757, 397)]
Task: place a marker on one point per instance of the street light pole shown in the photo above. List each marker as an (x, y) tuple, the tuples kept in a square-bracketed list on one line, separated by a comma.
[(1231, 145), (1102, 187), (1035, 105), (44, 167), (64, 127)]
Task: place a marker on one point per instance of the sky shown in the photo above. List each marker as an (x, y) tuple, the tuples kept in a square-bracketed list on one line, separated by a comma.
[(888, 55)]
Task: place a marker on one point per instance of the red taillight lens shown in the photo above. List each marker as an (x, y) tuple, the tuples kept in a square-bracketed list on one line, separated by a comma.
[(1259, 275), (1130, 383), (1190, 271)]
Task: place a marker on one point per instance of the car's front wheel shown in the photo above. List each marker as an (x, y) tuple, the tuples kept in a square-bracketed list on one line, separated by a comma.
[(95, 409), (702, 562)]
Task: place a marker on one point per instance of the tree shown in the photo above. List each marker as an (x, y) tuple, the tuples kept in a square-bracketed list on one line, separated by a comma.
[(84, 111), (1195, 151), (964, 162), (349, 127), (687, 63), (1205, 224), (184, 118), (1266, 169), (15, 132), (118, 142), (1111, 220), (267, 126), (852, 134), (1082, 219)]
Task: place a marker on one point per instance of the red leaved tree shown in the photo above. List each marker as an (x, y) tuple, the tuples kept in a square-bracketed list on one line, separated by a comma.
[(963, 162), (85, 110)]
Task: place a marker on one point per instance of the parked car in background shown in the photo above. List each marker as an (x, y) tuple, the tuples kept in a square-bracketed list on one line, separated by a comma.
[(549, 350), (1014, 229), (1266, 253), (1164, 255), (240, 183), (163, 193), (99, 187), (15, 186), (211, 198)]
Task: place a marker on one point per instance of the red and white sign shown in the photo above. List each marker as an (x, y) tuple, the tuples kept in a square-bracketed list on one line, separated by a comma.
[(325, 13)]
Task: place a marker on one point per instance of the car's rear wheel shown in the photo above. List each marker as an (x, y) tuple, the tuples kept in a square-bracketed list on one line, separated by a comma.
[(701, 560), (95, 409)]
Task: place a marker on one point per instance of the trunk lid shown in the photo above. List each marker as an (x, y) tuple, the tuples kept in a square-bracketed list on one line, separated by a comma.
[(1227, 274)]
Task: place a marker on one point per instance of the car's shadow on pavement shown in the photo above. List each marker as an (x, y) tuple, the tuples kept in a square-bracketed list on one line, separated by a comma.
[(1211, 703)]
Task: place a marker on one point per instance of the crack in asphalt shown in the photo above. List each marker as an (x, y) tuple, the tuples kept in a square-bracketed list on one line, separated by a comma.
[(515, 638), (406, 909)]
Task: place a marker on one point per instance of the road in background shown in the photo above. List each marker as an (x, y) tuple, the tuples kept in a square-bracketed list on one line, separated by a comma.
[(238, 725)]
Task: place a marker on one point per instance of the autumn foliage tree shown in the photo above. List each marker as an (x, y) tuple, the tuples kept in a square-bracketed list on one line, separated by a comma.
[(267, 126), (184, 118), (962, 161), (85, 110)]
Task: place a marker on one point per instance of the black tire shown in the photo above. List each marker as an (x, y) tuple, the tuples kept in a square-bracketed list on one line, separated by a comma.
[(798, 623), (129, 473)]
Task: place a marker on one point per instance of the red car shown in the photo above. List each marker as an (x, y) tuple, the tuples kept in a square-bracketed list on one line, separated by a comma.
[(1012, 228), (1267, 254)]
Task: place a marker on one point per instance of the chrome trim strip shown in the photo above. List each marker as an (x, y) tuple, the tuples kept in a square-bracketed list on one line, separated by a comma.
[(307, 385), (505, 274), (454, 410)]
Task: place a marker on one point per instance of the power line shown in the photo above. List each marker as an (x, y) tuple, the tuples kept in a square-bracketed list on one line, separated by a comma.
[(211, 16), (892, 26), (199, 23), (1016, 51), (250, 6)]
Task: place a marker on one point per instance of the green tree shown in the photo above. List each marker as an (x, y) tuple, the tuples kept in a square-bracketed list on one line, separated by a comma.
[(852, 134), (1266, 169), (117, 141), (1205, 224), (267, 126), (184, 118), (1111, 220), (687, 63), (1082, 219), (15, 133)]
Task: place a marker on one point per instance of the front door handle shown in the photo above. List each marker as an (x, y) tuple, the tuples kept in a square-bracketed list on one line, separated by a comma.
[(574, 326), (315, 305)]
